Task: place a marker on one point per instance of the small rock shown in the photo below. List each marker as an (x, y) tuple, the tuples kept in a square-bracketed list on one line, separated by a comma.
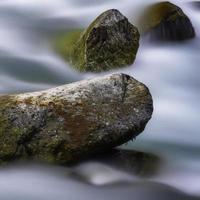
[(130, 161), (71, 122), (166, 21), (109, 42)]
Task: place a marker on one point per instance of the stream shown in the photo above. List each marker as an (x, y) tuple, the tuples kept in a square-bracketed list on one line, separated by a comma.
[(28, 62)]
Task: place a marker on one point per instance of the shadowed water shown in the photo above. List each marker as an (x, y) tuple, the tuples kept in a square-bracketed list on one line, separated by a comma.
[(171, 71)]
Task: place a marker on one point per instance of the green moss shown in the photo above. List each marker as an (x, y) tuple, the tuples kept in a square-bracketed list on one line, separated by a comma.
[(106, 46), (154, 15), (64, 43), (99, 59), (79, 49), (9, 135), (102, 46)]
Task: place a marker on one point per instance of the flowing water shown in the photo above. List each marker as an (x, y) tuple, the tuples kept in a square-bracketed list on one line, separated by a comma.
[(171, 71)]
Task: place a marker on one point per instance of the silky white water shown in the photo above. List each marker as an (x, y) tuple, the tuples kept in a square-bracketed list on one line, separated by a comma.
[(170, 70)]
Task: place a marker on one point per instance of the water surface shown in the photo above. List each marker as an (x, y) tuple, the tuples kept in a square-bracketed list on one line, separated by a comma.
[(171, 71)]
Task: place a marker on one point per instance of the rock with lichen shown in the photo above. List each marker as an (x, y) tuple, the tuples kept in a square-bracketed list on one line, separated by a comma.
[(166, 21), (111, 41), (71, 122)]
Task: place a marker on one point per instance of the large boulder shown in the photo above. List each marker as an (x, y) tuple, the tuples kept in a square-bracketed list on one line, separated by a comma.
[(71, 122), (109, 42), (166, 21)]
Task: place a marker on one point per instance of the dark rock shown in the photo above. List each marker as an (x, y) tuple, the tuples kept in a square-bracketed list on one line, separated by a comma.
[(71, 122), (109, 42), (134, 162), (166, 21)]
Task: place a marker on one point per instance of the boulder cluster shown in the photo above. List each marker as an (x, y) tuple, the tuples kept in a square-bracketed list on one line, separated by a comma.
[(75, 121), (111, 41)]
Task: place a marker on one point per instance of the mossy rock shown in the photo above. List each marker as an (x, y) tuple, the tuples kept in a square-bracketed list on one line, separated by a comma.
[(109, 42), (166, 21), (72, 122), (64, 42)]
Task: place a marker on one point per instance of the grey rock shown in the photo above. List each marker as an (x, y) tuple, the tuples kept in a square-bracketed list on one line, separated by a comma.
[(166, 21), (111, 41), (74, 121)]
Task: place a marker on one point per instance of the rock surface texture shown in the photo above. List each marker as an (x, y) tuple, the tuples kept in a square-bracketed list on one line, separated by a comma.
[(71, 122), (109, 42), (166, 21)]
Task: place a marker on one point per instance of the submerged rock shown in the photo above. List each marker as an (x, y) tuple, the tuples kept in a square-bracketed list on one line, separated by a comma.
[(109, 42), (130, 161), (64, 42), (166, 21), (71, 122)]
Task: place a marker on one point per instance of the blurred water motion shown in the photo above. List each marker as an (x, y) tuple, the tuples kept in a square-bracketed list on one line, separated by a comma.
[(50, 183), (171, 70)]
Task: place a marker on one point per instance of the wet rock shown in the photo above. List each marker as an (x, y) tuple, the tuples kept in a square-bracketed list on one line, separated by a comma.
[(71, 122), (166, 21), (134, 162), (137, 163), (109, 42)]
